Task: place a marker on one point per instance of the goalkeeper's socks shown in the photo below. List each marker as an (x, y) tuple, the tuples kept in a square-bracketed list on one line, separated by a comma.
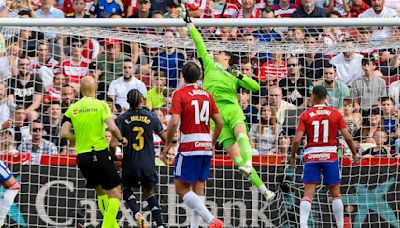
[(245, 148), (238, 161), (337, 208), (102, 202), (194, 202), (155, 210), (7, 201), (195, 221), (305, 209), (130, 200), (110, 217), (256, 181)]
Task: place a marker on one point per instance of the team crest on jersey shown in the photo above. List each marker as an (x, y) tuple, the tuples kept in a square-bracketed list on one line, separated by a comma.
[(74, 111)]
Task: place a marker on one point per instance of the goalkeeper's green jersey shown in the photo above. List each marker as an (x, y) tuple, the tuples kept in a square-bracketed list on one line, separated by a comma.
[(220, 83)]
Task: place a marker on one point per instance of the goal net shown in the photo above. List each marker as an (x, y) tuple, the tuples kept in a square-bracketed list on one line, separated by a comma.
[(358, 64)]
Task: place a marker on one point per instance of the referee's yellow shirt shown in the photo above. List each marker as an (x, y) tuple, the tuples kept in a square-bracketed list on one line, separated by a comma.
[(88, 117)]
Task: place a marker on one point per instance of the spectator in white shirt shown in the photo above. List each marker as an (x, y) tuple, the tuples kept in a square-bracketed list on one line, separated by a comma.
[(378, 10), (348, 66), (120, 87), (394, 91)]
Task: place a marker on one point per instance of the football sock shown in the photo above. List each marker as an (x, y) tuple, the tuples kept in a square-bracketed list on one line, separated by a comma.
[(305, 209), (337, 208), (195, 221), (130, 201), (110, 216), (102, 201), (194, 202), (245, 148), (155, 210)]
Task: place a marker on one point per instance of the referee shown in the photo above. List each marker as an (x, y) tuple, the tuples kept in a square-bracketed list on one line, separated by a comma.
[(88, 117)]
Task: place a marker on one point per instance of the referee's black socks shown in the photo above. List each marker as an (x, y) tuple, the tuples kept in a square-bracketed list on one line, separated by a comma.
[(155, 210)]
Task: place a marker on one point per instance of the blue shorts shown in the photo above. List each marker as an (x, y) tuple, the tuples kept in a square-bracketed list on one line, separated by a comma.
[(5, 173), (192, 168), (330, 172)]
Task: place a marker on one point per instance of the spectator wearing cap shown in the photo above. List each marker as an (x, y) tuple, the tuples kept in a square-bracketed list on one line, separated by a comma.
[(284, 9), (309, 9), (110, 63), (120, 87), (370, 87), (358, 7), (170, 60), (105, 8), (74, 68), (337, 90), (143, 9), (378, 10), (79, 10), (101, 92), (155, 96)]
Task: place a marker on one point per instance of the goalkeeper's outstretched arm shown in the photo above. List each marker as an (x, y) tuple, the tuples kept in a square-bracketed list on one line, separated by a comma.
[(249, 84), (200, 46)]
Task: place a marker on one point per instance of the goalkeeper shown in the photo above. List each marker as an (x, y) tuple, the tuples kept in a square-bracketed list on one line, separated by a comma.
[(222, 80)]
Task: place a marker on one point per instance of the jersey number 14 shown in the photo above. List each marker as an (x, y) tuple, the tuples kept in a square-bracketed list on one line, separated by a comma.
[(202, 115)]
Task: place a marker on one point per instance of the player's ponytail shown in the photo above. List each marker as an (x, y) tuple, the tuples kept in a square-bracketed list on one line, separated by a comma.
[(134, 99)]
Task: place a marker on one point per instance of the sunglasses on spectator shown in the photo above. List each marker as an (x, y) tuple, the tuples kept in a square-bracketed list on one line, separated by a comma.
[(292, 65), (37, 129)]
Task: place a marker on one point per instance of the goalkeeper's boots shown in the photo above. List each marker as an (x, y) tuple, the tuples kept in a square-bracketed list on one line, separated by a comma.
[(216, 223), (269, 195), (246, 171), (140, 221)]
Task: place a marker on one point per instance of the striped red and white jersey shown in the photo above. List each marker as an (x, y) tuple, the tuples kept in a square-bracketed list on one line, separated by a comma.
[(90, 51), (279, 12), (195, 107), (256, 13), (76, 72), (321, 125), (223, 10), (51, 63), (269, 71)]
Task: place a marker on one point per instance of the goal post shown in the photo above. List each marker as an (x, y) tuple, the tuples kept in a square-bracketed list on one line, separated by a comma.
[(61, 51)]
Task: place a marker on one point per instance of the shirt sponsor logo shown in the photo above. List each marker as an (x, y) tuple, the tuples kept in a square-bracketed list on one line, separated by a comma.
[(202, 144)]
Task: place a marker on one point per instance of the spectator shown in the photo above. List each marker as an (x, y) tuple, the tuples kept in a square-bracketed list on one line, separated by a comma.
[(337, 90), (394, 91), (358, 7), (276, 102), (283, 146), (378, 10), (267, 34), (348, 66), (47, 10), (52, 127), (79, 10), (110, 63), (284, 8), (68, 96), (69, 7), (313, 62), (170, 61), (174, 11), (44, 59), (38, 145), (367, 130), (155, 96), (273, 70), (120, 87), (8, 59), (257, 58), (249, 10), (297, 35), (309, 9), (370, 87), (250, 111), (105, 8), (118, 151), (196, 8), (101, 92), (380, 150), (295, 87), (264, 135), (353, 120), (221, 9), (74, 68), (6, 142), (25, 88), (6, 106), (143, 9), (53, 93), (390, 115)]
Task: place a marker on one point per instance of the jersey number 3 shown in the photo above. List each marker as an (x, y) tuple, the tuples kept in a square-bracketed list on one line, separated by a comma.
[(139, 137), (325, 125), (202, 115)]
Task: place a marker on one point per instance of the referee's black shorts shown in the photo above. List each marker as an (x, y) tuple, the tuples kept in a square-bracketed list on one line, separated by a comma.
[(98, 168)]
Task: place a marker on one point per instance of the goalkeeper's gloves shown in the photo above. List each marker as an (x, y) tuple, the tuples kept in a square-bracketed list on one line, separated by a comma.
[(187, 18), (234, 71)]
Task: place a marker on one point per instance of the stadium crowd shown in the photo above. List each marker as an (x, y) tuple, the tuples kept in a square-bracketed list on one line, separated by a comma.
[(40, 72)]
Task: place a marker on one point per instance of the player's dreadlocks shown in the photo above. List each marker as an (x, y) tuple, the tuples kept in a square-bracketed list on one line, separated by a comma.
[(134, 99)]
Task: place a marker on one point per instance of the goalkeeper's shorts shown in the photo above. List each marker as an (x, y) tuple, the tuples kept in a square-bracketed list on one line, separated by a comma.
[(330, 172), (232, 116)]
